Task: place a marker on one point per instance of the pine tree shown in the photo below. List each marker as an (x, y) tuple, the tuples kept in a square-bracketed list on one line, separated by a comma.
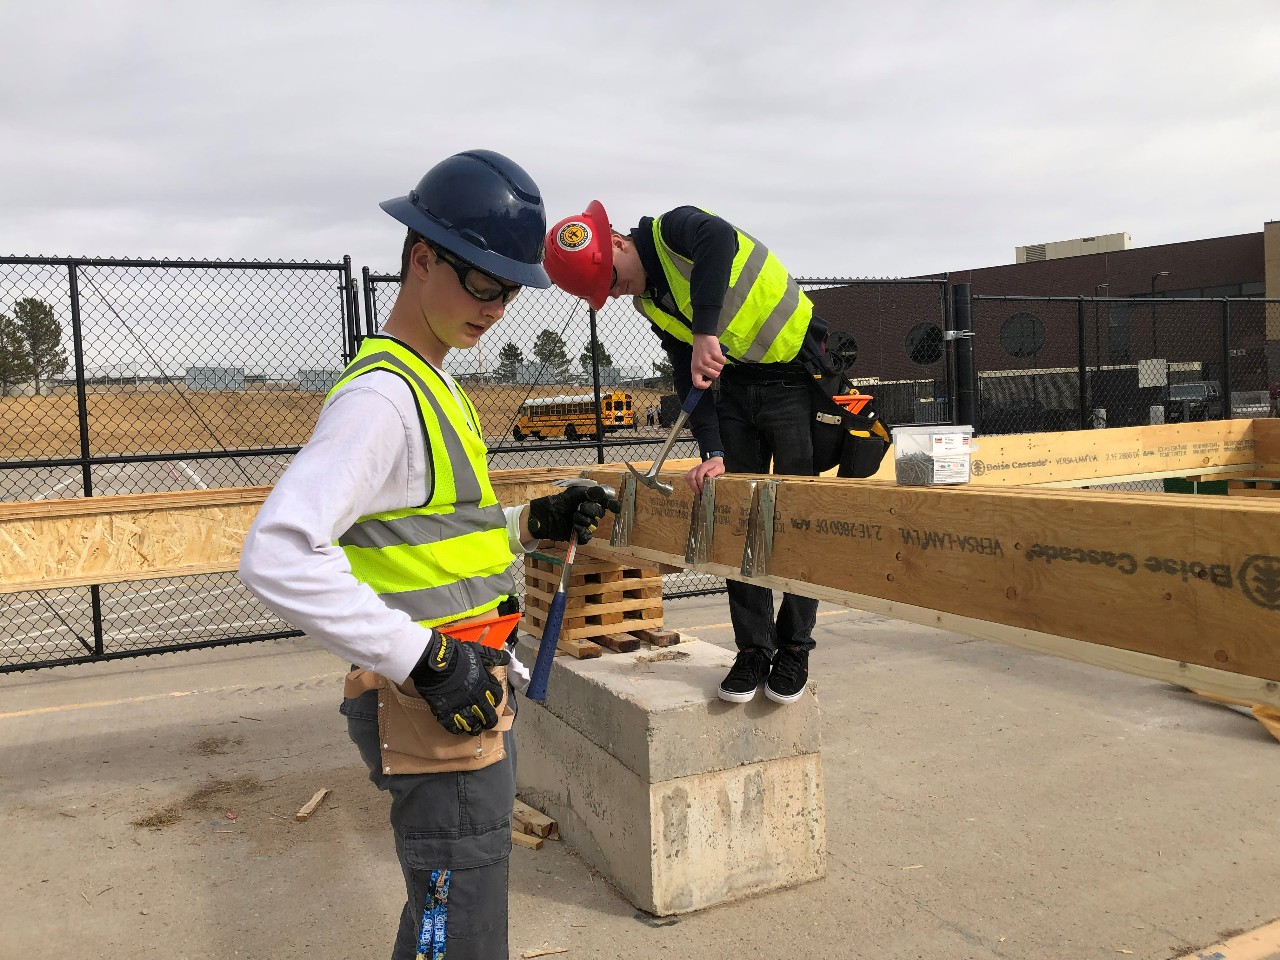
[(510, 357), (665, 373), (43, 335), (548, 349), (15, 361), (602, 356)]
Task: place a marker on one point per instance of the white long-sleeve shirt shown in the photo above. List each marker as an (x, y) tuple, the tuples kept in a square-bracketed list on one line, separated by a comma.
[(366, 455)]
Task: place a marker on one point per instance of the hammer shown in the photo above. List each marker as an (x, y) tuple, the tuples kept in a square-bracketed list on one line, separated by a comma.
[(537, 689), (650, 479)]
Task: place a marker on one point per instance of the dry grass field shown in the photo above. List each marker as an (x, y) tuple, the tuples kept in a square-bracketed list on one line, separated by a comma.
[(130, 421)]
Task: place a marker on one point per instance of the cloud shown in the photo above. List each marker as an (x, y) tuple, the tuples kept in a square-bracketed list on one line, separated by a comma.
[(853, 140)]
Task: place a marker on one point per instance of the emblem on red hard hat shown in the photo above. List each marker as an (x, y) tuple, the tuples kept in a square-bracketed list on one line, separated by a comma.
[(573, 235)]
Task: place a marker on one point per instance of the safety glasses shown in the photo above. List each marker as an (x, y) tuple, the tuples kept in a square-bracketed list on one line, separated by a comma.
[(476, 282)]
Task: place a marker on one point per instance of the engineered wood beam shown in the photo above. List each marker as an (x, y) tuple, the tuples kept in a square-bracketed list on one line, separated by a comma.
[(1114, 455), (1186, 580)]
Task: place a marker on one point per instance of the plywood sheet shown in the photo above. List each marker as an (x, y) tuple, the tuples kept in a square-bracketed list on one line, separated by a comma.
[(51, 544)]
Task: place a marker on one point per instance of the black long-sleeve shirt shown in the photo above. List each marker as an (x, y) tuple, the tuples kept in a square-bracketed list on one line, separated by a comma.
[(710, 243)]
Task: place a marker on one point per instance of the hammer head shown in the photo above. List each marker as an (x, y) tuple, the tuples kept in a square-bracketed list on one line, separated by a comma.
[(651, 481), (585, 482)]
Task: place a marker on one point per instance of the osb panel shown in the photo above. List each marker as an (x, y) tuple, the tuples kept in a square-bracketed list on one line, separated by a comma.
[(51, 552), (61, 543)]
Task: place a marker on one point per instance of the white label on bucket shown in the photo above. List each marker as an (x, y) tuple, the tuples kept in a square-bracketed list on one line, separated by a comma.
[(950, 443), (951, 470)]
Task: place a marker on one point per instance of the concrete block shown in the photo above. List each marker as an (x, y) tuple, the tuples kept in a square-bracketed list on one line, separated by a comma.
[(681, 800), (677, 845), (661, 718)]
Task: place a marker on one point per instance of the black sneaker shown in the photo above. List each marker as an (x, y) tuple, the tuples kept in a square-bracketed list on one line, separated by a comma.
[(749, 669), (789, 675)]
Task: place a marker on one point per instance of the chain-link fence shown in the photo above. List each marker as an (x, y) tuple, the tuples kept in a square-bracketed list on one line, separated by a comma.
[(140, 376), (137, 376), (1057, 363), (130, 376), (899, 327)]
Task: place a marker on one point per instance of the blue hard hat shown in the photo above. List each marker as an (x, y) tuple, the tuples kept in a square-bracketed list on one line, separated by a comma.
[(482, 207)]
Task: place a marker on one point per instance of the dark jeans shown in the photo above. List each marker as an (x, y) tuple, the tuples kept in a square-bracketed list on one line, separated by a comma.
[(765, 415), (455, 825)]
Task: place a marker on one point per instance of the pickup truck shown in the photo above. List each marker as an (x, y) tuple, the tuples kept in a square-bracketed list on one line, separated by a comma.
[(1197, 400)]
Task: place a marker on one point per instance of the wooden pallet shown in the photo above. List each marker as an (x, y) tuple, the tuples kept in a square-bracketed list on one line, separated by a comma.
[(603, 598)]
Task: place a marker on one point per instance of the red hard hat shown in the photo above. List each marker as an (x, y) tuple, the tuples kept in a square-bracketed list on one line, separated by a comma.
[(580, 255)]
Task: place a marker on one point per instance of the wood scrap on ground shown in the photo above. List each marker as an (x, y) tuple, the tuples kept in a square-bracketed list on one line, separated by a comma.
[(524, 840), (309, 807), (534, 822)]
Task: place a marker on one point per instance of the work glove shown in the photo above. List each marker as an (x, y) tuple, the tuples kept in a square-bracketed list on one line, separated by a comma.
[(454, 678), (575, 512)]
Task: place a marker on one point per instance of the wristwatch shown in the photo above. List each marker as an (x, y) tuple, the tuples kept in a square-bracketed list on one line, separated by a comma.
[(712, 453)]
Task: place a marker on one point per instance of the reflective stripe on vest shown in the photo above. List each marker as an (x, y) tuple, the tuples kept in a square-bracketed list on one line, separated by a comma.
[(765, 314), (450, 557)]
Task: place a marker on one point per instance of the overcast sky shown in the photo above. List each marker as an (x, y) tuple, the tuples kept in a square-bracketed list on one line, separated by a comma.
[(853, 138)]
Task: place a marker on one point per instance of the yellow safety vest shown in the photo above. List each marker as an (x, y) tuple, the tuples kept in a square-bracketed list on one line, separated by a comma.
[(449, 558), (765, 315)]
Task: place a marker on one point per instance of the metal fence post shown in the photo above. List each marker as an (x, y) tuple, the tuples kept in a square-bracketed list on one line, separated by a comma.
[(353, 295), (1083, 367), (1227, 412), (369, 315), (351, 334), (948, 365), (960, 341), (82, 415), (82, 388), (595, 382)]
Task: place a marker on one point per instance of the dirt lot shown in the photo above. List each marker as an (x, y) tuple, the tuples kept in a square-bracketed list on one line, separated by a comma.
[(178, 420)]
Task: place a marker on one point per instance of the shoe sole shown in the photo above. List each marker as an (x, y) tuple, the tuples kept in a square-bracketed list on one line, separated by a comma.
[(783, 698), (735, 697)]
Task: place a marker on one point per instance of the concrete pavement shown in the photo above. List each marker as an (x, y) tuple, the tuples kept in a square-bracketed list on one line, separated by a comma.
[(981, 802)]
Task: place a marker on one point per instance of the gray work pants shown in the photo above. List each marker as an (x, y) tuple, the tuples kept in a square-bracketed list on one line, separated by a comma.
[(450, 827)]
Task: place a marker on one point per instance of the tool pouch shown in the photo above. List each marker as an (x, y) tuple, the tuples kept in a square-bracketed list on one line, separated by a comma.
[(855, 443), (412, 739)]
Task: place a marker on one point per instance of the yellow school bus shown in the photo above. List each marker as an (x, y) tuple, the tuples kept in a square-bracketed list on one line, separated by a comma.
[(573, 417)]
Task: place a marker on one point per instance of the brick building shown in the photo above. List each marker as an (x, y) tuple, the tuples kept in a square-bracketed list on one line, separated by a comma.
[(1125, 326)]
